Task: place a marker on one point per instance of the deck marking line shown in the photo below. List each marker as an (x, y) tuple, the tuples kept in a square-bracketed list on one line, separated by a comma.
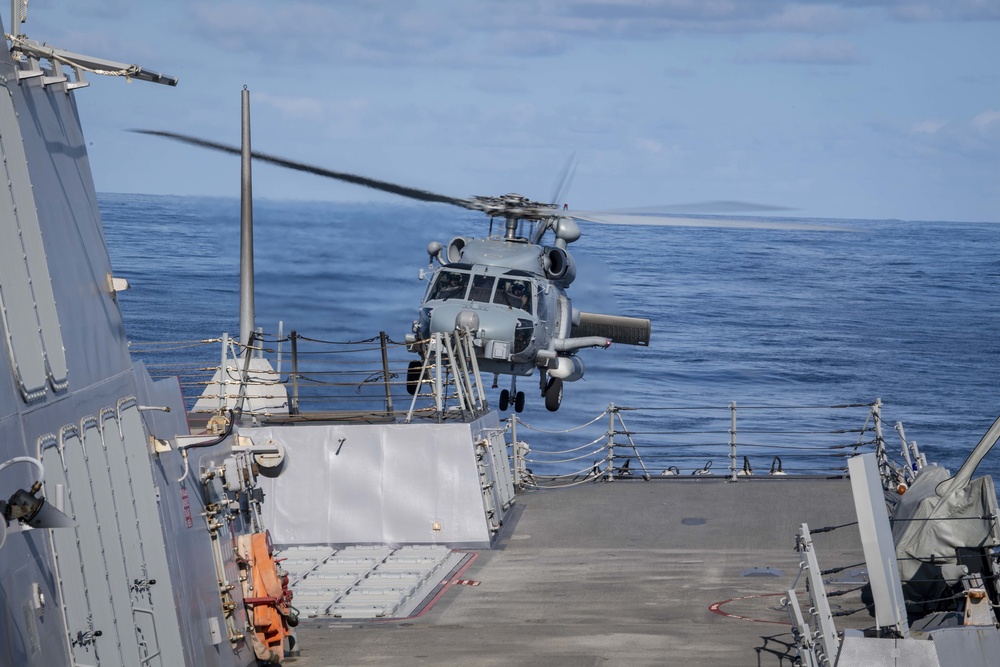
[(448, 584), (716, 607)]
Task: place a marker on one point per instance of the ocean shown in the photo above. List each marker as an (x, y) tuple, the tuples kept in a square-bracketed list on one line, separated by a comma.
[(903, 311)]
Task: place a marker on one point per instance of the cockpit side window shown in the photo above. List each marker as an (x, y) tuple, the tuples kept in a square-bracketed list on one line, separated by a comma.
[(482, 288), (543, 311), (450, 285), (514, 293)]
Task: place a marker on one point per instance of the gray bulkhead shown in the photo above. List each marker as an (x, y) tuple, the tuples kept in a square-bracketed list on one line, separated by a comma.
[(71, 398)]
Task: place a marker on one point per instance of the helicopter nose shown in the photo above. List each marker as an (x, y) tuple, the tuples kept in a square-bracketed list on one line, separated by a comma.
[(467, 320)]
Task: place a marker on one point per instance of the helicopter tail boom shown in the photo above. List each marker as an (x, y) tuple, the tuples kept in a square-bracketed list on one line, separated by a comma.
[(623, 330)]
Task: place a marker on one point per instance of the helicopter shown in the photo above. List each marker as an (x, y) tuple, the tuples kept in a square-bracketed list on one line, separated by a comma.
[(508, 290)]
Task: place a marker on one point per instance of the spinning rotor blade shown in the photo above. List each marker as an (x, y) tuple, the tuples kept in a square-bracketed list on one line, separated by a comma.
[(706, 207), (384, 186), (681, 221), (518, 207), (565, 180)]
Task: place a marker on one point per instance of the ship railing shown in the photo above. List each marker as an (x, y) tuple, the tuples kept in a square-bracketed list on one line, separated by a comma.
[(312, 378), (670, 442)]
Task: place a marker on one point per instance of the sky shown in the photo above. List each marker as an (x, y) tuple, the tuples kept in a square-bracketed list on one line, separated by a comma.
[(850, 109)]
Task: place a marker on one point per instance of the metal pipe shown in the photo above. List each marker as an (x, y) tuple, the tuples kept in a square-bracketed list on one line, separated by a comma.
[(518, 456), (910, 467), (385, 371), (224, 373), (245, 377), (293, 408), (474, 363), (732, 442), (246, 233), (281, 335), (609, 475), (438, 386)]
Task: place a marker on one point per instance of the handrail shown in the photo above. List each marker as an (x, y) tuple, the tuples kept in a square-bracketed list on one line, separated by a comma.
[(767, 437)]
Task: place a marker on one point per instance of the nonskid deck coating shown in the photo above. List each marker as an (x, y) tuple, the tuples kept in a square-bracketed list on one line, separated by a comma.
[(623, 573)]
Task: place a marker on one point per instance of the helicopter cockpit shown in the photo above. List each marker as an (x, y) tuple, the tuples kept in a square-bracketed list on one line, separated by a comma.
[(512, 292), (450, 285), (515, 293)]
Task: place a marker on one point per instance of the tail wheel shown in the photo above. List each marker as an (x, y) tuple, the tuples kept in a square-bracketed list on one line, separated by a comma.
[(504, 400), (553, 394), (413, 376), (519, 402)]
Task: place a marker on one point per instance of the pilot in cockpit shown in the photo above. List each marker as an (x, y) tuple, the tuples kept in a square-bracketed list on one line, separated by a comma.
[(520, 295), (451, 285)]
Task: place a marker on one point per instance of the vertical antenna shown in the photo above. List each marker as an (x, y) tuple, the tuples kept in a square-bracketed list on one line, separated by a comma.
[(246, 233), (18, 15)]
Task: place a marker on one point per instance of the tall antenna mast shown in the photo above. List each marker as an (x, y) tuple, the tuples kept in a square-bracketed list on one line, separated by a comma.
[(246, 234)]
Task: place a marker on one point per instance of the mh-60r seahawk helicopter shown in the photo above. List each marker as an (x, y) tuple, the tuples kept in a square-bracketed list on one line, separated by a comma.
[(509, 290)]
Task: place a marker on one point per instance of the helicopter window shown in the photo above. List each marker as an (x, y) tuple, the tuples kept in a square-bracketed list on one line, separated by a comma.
[(543, 311), (482, 288), (522, 335), (450, 285), (514, 293)]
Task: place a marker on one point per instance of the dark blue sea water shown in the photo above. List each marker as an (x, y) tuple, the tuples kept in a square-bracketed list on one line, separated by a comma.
[(905, 311)]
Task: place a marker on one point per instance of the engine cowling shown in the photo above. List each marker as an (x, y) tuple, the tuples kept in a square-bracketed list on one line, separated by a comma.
[(455, 248), (559, 266)]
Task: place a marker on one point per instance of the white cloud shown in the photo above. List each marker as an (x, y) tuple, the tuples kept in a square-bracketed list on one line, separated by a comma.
[(944, 10), (986, 120), (927, 126), (976, 138)]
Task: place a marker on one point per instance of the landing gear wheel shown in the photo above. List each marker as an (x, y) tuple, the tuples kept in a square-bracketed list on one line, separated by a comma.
[(413, 376), (504, 400), (553, 394), (519, 401)]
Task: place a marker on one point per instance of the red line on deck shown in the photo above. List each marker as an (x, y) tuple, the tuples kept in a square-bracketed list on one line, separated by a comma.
[(716, 608)]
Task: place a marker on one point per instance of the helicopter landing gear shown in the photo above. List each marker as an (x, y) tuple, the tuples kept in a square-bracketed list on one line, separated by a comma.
[(413, 376), (512, 397), (505, 401), (553, 394)]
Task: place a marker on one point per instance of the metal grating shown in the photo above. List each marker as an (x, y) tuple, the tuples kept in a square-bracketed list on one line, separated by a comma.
[(364, 582)]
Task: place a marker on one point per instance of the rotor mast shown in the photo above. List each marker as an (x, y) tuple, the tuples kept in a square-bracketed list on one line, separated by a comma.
[(510, 230)]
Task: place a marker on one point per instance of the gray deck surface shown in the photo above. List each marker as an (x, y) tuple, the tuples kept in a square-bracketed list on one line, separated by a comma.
[(621, 573)]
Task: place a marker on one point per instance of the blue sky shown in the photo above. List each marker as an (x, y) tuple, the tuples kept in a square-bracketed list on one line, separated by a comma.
[(838, 109)]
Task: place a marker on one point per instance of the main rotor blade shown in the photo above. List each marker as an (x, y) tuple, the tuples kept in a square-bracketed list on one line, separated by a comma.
[(375, 184), (681, 221), (722, 207), (565, 180)]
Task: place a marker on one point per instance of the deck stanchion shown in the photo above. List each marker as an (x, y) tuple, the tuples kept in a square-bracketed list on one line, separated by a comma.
[(733, 475), (293, 407), (224, 376), (281, 335), (518, 456), (609, 474), (385, 372)]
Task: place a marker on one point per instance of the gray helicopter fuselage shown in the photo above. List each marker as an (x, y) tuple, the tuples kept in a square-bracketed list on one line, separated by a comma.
[(500, 291)]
